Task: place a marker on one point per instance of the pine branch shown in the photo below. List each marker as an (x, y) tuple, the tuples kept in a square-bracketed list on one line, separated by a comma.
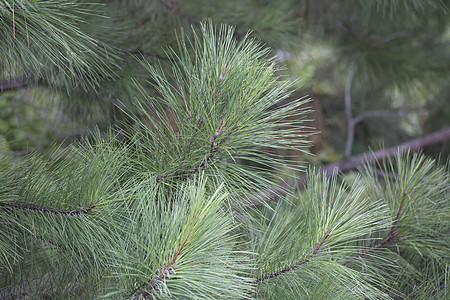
[(209, 157), (187, 248), (213, 148), (298, 264), (223, 100), (391, 234), (162, 275), (49, 41), (352, 163)]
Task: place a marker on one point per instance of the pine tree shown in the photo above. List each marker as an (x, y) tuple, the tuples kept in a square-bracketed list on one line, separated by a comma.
[(172, 201)]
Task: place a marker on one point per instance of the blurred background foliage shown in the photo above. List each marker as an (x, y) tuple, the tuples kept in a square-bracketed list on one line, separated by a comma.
[(383, 64)]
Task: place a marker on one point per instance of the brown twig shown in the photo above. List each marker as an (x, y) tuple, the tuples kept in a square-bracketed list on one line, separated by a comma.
[(162, 274), (165, 270), (352, 163), (210, 155)]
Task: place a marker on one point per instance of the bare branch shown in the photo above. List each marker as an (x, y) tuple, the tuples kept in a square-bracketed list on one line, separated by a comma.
[(379, 113), (348, 111), (352, 163), (376, 114)]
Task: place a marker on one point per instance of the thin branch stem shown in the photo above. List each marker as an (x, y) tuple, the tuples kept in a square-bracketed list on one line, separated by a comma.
[(379, 113), (391, 234), (348, 111), (165, 271), (215, 144), (210, 155), (351, 163), (298, 264), (162, 274)]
